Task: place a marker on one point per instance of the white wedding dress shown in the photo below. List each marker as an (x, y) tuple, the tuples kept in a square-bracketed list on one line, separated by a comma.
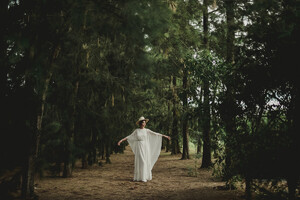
[(146, 146)]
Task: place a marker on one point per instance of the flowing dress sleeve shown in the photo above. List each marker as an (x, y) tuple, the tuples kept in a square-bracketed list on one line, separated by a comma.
[(155, 142), (132, 140)]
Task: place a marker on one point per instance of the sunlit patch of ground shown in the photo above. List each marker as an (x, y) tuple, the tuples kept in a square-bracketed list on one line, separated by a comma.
[(171, 180)]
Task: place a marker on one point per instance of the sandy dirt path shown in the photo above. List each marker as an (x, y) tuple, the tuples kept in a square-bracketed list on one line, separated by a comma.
[(114, 181)]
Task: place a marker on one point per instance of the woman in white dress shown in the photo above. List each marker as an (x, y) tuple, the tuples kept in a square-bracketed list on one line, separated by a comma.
[(146, 146)]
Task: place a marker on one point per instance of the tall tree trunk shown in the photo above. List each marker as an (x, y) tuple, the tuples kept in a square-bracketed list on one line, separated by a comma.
[(248, 188), (3, 48), (94, 144), (290, 10), (170, 117), (199, 145), (185, 134), (200, 122), (205, 24), (101, 149), (107, 150), (292, 182), (29, 168), (92, 154), (84, 162), (28, 177), (68, 162), (175, 143), (229, 6), (292, 154), (229, 115), (168, 141), (214, 118), (206, 159)]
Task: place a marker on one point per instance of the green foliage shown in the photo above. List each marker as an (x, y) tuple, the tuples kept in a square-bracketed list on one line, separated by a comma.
[(93, 53), (96, 66)]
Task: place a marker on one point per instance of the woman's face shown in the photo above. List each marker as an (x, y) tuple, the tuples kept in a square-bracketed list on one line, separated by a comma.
[(143, 124)]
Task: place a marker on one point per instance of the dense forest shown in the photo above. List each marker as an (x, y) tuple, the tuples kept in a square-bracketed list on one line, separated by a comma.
[(222, 74)]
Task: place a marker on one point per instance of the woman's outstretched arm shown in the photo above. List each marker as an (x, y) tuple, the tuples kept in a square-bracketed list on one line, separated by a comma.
[(168, 137), (132, 136), (152, 132), (124, 139)]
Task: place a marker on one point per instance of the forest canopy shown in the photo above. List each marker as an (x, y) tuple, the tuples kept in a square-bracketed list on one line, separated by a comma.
[(76, 75)]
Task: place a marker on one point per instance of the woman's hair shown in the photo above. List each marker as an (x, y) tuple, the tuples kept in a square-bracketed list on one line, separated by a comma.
[(140, 122)]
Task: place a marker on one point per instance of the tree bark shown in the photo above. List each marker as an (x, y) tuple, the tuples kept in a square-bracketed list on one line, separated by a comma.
[(3, 48), (169, 124), (229, 6), (68, 164), (248, 188), (94, 150), (107, 151), (84, 162), (175, 143), (27, 190), (199, 145), (200, 126), (292, 155), (29, 169), (185, 134), (229, 115), (205, 24), (168, 142), (292, 186), (206, 159)]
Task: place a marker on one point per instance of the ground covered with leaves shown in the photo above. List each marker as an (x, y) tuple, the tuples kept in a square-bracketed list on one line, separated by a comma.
[(172, 179)]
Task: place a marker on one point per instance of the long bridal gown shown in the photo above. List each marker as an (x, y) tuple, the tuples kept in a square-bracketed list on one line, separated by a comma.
[(146, 146)]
